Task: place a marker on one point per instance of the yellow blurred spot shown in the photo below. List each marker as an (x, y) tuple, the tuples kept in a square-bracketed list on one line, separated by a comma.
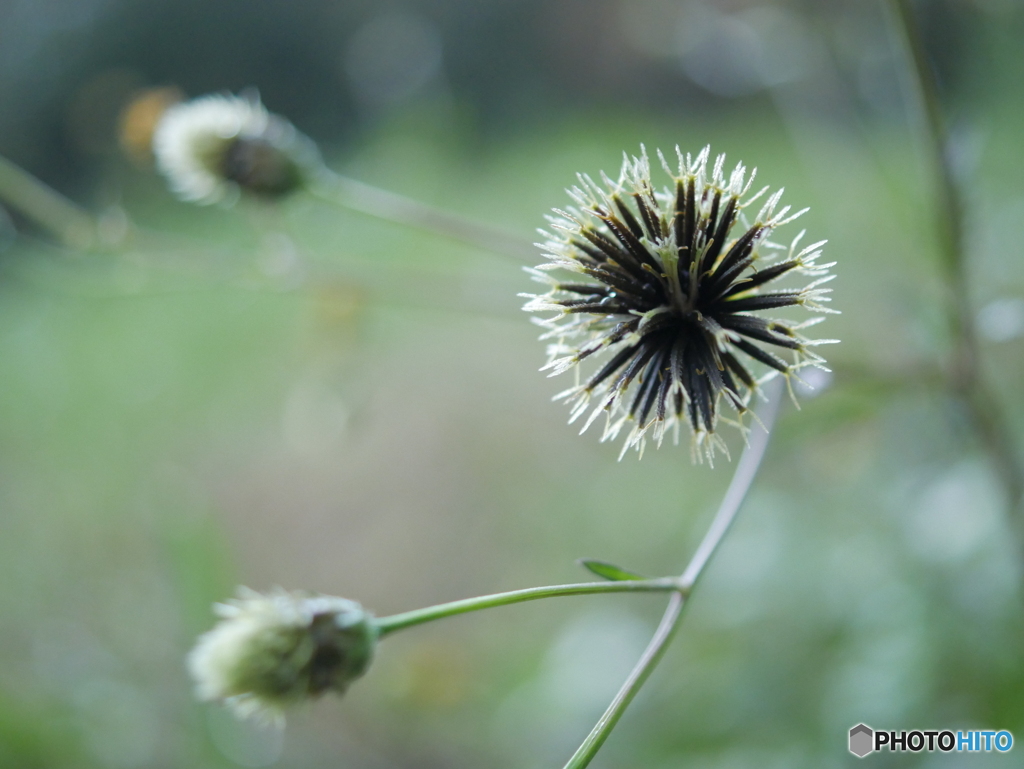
[(139, 118), (436, 676), (337, 305)]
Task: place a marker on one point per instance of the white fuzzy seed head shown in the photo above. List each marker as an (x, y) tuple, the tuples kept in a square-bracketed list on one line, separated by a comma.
[(212, 147), (270, 651)]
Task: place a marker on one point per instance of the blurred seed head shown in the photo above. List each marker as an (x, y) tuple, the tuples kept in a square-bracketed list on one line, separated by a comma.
[(657, 284), (215, 146), (271, 651)]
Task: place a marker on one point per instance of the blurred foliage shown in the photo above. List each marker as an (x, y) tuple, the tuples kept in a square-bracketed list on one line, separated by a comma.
[(304, 397)]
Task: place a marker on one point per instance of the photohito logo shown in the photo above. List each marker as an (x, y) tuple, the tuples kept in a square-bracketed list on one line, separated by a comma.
[(865, 740)]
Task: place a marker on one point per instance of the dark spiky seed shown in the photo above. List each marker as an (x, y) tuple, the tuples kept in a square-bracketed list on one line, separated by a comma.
[(672, 297)]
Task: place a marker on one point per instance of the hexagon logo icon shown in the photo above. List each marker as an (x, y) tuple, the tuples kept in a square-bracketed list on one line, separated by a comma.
[(862, 739)]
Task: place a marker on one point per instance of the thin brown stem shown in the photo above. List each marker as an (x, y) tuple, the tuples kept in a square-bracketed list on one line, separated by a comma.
[(964, 373)]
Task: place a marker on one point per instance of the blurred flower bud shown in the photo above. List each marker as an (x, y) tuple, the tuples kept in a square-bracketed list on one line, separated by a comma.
[(212, 147), (139, 118), (275, 650)]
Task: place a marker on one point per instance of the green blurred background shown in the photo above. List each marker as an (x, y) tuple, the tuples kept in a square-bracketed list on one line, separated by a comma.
[(303, 397)]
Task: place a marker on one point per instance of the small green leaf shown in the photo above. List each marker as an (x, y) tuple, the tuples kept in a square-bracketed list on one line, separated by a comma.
[(607, 570)]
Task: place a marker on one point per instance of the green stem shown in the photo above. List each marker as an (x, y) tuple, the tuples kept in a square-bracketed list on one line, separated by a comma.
[(46, 207), (964, 375), (389, 206), (638, 676), (743, 478), (386, 625)]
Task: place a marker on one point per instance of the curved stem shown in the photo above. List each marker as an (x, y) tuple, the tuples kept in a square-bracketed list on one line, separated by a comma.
[(395, 622), (964, 374), (742, 480), (373, 201), (746, 470), (637, 677)]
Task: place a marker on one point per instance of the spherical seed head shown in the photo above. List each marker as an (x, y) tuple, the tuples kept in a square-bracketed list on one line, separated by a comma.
[(212, 147), (273, 650), (663, 287)]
